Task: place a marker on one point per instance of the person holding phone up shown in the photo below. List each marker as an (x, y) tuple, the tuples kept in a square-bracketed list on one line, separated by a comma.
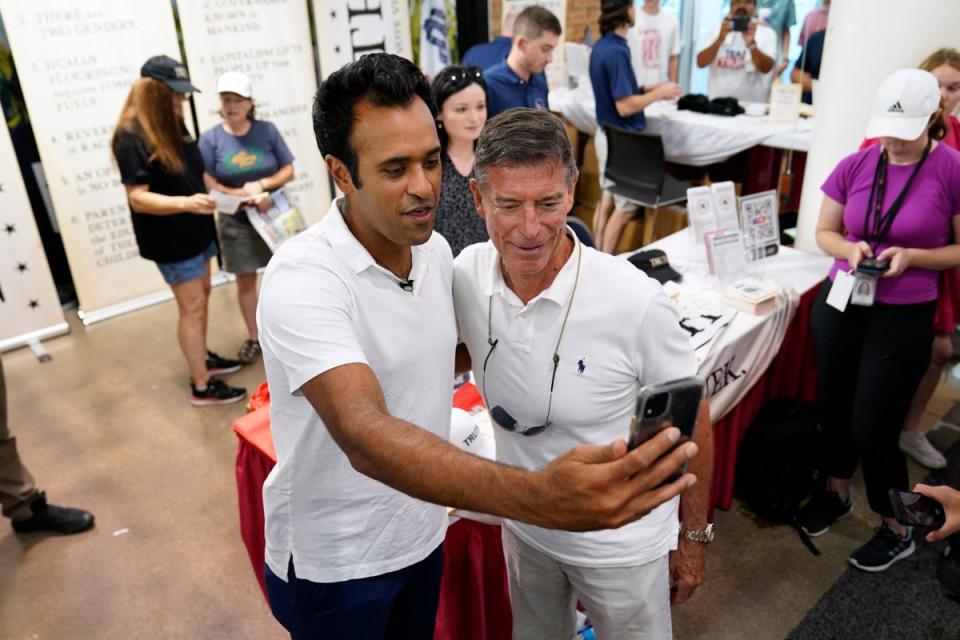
[(529, 305), (890, 217), (740, 56)]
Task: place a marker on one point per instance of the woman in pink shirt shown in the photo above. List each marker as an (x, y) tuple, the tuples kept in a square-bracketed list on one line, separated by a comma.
[(944, 64), (890, 215)]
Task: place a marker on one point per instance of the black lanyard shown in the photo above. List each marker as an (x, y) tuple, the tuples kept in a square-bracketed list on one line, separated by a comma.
[(876, 224)]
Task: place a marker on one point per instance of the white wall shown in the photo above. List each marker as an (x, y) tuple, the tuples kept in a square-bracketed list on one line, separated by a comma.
[(866, 41)]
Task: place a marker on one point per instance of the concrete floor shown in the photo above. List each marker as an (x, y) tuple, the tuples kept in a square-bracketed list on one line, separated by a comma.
[(106, 425)]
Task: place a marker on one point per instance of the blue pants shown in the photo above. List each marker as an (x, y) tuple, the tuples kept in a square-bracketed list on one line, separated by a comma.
[(401, 604)]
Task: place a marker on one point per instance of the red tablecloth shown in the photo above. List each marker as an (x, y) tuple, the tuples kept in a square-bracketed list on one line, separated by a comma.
[(792, 374), (474, 601)]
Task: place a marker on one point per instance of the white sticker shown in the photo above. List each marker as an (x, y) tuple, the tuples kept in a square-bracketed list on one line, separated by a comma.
[(840, 291)]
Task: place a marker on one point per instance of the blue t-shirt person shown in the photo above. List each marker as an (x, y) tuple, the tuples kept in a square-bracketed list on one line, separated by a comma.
[(487, 54), (810, 59), (505, 90), (236, 160), (611, 74)]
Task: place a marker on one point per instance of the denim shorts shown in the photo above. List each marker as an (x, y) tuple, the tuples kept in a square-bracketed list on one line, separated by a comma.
[(189, 269)]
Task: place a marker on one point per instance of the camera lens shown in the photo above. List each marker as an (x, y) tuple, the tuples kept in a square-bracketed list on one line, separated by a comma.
[(656, 406)]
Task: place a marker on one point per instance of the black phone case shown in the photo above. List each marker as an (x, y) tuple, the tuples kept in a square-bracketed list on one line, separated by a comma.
[(920, 511), (683, 405)]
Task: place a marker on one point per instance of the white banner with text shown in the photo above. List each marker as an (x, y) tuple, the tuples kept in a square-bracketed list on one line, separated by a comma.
[(347, 29), (77, 62), (270, 43)]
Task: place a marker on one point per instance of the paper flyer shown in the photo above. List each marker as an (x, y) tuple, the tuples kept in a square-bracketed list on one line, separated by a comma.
[(701, 212), (279, 223), (725, 201)]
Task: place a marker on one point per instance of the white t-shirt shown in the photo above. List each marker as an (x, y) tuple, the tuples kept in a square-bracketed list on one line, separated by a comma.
[(622, 333), (325, 303), (732, 72), (652, 40)]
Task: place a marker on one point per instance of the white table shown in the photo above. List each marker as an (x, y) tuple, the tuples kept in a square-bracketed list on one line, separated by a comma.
[(690, 138), (739, 355)]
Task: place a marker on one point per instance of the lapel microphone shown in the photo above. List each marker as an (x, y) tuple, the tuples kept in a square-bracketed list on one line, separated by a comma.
[(406, 285)]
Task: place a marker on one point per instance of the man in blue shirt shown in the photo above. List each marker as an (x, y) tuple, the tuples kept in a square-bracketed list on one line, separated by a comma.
[(807, 68), (519, 80), (494, 52), (620, 103)]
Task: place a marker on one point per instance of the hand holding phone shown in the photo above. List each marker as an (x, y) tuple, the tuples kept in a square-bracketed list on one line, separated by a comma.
[(659, 406), (949, 499), (916, 510)]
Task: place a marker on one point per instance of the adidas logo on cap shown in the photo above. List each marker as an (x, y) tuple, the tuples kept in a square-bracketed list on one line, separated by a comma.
[(895, 108)]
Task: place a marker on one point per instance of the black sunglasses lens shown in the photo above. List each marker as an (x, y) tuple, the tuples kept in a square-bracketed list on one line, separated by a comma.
[(532, 431), (502, 418)]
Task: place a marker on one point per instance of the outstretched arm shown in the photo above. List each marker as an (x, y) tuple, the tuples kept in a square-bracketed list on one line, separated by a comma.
[(589, 487)]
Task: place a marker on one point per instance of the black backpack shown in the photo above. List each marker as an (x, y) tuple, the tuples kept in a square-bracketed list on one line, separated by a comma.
[(778, 460)]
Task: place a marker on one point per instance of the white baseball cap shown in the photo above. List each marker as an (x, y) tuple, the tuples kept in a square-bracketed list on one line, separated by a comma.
[(238, 83), (470, 434), (903, 106)]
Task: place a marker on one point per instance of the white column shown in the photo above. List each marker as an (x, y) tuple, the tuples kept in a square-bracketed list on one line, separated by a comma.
[(866, 41)]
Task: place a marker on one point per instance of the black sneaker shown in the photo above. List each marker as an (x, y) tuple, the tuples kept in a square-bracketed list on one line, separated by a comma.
[(824, 508), (217, 392), (48, 517), (885, 548), (217, 365)]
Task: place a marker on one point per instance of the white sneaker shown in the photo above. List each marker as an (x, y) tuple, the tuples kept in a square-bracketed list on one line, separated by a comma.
[(915, 444)]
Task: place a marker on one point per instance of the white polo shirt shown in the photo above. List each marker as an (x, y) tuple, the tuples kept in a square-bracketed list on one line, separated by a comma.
[(622, 333), (325, 303), (732, 72)]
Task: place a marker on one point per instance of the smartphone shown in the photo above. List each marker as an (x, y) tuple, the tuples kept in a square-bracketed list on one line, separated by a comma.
[(916, 510), (873, 267), (675, 403)]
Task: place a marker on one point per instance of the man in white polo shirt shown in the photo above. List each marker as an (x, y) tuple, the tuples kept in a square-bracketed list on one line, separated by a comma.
[(358, 335), (561, 338)]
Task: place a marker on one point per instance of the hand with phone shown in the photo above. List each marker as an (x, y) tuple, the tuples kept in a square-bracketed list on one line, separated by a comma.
[(659, 406), (949, 501)]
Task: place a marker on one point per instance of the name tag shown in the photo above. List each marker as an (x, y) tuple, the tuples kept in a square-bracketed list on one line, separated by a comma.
[(840, 292)]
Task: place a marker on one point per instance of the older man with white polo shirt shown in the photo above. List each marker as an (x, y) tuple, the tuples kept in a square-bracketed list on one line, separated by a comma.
[(561, 338)]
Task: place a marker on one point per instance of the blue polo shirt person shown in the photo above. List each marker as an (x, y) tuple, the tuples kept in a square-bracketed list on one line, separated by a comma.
[(519, 80), (488, 54), (620, 103), (807, 67)]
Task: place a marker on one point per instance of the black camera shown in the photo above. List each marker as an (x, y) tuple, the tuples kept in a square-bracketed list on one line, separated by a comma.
[(740, 23), (873, 267)]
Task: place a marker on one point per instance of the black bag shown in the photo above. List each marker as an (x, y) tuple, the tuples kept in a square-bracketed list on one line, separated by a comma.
[(694, 102), (725, 107), (778, 460)]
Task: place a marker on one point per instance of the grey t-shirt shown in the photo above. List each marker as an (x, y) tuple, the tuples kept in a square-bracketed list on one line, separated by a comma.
[(235, 160)]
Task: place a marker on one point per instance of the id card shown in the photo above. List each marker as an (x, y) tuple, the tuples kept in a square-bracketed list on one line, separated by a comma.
[(840, 291), (864, 290)]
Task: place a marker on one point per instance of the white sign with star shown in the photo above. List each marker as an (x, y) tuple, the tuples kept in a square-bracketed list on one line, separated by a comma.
[(77, 62), (218, 39), (348, 29), (29, 307)]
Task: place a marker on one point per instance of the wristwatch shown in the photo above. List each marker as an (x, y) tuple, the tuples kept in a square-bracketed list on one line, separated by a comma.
[(752, 45), (704, 536)]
